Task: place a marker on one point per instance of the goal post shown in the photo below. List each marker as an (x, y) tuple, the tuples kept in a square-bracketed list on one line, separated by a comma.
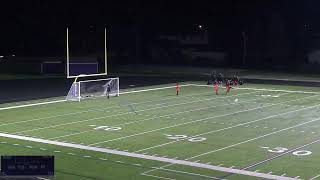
[(70, 69), (92, 88)]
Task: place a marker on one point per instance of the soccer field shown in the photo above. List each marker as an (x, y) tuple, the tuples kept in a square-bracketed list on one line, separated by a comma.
[(268, 132)]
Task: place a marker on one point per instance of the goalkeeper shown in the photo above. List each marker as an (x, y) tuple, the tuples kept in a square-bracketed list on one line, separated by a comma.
[(108, 90)]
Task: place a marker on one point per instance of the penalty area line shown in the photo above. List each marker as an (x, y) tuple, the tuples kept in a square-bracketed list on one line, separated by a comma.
[(148, 157)]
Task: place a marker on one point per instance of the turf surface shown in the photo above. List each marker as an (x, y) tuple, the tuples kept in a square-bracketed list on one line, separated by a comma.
[(263, 131)]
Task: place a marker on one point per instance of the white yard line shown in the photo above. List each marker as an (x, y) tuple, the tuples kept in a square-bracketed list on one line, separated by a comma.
[(240, 143), (158, 177), (281, 154), (253, 139), (147, 157), (315, 177), (126, 113), (149, 119), (151, 89), (100, 109), (230, 127), (194, 121), (182, 172)]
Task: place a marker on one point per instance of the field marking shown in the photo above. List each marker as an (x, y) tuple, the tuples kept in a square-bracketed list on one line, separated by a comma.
[(33, 104), (182, 172), (281, 154), (256, 138), (64, 100), (265, 89), (194, 121), (158, 177), (126, 113), (144, 90), (91, 110), (146, 157), (160, 107), (230, 127), (149, 119), (315, 177), (249, 140)]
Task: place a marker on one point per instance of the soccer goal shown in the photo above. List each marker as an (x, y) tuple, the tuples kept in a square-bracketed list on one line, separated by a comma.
[(85, 89), (89, 82)]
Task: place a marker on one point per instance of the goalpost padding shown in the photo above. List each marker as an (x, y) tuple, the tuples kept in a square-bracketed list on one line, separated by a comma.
[(84, 89)]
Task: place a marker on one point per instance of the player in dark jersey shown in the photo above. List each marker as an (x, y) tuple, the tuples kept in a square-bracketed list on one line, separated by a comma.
[(108, 90)]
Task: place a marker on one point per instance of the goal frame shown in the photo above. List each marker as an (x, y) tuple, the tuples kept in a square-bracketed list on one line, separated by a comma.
[(86, 75), (77, 84)]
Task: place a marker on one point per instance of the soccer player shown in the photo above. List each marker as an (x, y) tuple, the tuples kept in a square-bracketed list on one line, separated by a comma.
[(177, 88), (216, 87), (235, 80), (228, 86), (108, 90)]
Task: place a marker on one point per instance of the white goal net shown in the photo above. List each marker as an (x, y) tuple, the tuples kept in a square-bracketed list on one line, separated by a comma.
[(84, 89)]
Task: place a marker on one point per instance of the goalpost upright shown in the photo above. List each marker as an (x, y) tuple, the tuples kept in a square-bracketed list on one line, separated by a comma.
[(87, 75), (89, 88)]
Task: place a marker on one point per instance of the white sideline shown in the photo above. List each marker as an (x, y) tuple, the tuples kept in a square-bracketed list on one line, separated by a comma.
[(151, 89), (148, 157), (34, 104), (63, 100), (240, 143), (264, 89)]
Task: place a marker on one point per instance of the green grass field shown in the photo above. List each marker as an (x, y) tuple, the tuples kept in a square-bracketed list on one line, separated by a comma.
[(265, 131)]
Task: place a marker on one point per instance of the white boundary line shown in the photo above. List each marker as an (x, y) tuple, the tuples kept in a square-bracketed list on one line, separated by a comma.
[(58, 101), (315, 177), (148, 157), (264, 89), (151, 89), (243, 142), (34, 104)]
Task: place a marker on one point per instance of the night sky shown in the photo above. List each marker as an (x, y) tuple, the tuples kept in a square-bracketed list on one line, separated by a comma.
[(38, 26)]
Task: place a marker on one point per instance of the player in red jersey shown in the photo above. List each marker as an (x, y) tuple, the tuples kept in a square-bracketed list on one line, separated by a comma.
[(228, 86), (178, 88), (216, 87)]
